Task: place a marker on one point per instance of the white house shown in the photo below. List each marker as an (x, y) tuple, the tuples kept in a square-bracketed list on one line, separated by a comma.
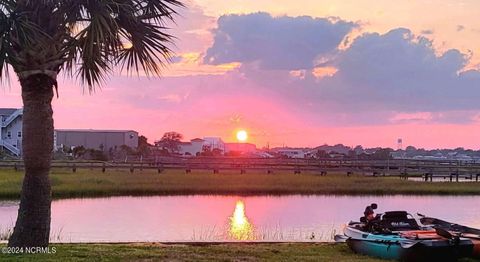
[(196, 146), (290, 152), (214, 143), (192, 148), (11, 130)]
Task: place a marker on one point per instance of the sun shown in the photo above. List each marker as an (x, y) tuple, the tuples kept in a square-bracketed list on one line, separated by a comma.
[(242, 135)]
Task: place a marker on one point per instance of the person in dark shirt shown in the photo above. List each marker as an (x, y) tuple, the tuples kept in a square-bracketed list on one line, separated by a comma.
[(369, 212), (370, 217)]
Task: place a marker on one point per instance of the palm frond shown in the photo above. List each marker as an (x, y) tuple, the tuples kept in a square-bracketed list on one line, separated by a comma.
[(4, 44), (87, 37), (15, 31), (127, 33)]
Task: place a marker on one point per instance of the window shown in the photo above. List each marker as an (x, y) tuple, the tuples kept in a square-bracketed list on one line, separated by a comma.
[(19, 134), (9, 134)]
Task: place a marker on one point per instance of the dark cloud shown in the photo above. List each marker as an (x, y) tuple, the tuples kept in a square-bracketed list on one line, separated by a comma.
[(275, 42), (427, 32), (402, 72)]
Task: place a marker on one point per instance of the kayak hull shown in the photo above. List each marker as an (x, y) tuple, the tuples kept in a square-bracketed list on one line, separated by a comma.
[(426, 246), (465, 232), (376, 249), (419, 252), (476, 249)]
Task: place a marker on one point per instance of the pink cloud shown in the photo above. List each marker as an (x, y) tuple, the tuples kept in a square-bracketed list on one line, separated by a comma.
[(412, 117)]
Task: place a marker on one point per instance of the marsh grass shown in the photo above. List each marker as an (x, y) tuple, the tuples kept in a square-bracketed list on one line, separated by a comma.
[(55, 236), (93, 183), (265, 234), (5, 233)]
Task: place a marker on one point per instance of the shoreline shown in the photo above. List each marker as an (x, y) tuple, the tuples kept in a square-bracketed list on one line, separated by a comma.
[(229, 194)]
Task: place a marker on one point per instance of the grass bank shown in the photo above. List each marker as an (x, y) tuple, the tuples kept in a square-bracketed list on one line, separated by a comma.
[(207, 252), (92, 183), (201, 252)]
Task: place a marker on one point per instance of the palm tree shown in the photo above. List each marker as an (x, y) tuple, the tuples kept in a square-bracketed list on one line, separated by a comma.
[(83, 38)]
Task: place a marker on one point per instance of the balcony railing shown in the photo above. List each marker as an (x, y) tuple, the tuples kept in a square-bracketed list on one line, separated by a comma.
[(14, 150), (12, 117)]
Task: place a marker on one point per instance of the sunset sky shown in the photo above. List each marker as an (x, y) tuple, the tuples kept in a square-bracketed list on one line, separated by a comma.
[(301, 73)]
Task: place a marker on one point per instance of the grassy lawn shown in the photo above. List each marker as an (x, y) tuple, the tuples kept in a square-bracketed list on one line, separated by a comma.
[(200, 252), (88, 183), (207, 252)]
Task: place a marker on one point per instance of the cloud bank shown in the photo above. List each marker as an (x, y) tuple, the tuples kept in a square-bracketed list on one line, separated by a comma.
[(382, 75), (288, 43)]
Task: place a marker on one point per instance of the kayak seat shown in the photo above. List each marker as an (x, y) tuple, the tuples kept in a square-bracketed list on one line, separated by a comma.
[(398, 221), (395, 215)]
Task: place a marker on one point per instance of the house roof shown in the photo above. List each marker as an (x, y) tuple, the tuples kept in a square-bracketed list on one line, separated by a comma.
[(7, 111), (94, 130), (197, 140)]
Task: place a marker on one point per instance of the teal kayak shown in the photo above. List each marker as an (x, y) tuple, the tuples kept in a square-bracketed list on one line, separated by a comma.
[(398, 236), (455, 230)]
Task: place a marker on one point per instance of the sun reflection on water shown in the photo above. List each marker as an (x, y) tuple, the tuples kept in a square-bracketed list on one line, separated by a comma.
[(240, 227)]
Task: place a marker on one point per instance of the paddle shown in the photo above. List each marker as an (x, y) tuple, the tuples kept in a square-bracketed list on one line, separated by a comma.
[(444, 233), (465, 231)]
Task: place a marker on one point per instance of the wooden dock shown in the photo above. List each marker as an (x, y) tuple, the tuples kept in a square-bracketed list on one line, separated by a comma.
[(402, 168)]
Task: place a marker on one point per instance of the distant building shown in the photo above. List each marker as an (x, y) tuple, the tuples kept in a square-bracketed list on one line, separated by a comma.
[(104, 140), (192, 148), (290, 152), (214, 143), (11, 130), (240, 147), (197, 146)]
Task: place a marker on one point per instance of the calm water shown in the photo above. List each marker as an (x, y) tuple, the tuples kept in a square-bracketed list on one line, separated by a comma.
[(219, 218)]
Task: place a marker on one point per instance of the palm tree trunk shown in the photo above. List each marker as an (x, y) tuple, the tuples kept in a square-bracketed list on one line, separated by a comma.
[(32, 228)]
